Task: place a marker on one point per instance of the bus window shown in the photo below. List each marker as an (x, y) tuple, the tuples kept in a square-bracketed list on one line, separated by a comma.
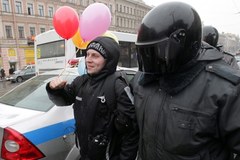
[(128, 57), (53, 49), (80, 52)]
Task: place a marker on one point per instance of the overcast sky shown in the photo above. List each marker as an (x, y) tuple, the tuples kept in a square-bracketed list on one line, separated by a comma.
[(224, 15)]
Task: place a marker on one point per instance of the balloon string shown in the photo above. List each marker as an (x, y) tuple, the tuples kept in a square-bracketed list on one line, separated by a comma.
[(66, 65)]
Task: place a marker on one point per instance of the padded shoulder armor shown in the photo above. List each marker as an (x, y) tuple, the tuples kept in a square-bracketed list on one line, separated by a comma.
[(225, 72)]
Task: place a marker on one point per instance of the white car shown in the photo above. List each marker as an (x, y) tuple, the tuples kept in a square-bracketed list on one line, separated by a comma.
[(31, 126), (23, 75)]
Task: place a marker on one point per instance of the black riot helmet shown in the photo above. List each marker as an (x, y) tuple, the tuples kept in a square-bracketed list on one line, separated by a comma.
[(210, 35), (168, 38)]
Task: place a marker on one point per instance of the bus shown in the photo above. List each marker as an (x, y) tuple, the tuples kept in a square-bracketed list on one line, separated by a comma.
[(53, 52)]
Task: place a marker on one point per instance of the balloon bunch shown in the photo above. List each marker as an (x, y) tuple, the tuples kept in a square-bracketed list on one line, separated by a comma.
[(94, 21)]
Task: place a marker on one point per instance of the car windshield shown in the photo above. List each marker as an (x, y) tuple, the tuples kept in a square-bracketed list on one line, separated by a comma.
[(32, 94), (27, 67)]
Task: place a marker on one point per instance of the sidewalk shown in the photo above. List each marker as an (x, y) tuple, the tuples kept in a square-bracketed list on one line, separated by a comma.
[(6, 86)]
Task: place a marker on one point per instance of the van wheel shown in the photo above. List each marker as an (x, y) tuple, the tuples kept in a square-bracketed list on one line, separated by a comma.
[(19, 79)]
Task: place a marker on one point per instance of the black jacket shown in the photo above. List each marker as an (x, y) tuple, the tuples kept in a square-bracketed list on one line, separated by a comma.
[(227, 57), (93, 117), (191, 115), (103, 123)]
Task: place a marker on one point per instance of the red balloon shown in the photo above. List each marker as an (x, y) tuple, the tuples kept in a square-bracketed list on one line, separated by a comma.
[(66, 22)]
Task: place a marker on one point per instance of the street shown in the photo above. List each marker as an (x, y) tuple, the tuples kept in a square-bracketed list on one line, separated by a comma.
[(6, 86)]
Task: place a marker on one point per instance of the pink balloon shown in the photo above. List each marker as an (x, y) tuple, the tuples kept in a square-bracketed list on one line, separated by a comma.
[(66, 22), (95, 20)]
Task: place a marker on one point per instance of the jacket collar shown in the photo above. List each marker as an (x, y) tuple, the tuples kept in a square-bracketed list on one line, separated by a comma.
[(209, 53)]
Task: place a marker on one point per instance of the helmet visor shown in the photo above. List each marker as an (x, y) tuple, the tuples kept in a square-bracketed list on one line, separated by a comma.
[(161, 57)]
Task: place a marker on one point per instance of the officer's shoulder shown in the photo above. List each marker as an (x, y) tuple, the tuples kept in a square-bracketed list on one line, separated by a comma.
[(224, 71), (119, 77), (227, 53)]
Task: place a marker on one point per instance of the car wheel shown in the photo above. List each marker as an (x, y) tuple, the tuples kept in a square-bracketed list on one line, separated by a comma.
[(19, 79), (12, 81)]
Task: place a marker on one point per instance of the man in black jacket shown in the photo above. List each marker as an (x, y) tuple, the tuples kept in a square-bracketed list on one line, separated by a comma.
[(186, 97), (106, 128)]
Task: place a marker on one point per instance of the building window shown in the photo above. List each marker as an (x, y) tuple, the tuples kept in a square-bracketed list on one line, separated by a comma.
[(21, 31), (72, 1), (40, 10), (30, 8), (32, 31), (18, 7), (9, 31), (42, 30), (50, 11), (5, 6), (110, 8)]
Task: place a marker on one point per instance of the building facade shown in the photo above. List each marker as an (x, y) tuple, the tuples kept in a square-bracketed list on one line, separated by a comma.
[(230, 42), (22, 20)]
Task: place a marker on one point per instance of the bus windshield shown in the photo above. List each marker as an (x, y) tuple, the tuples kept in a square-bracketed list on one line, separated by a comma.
[(52, 49)]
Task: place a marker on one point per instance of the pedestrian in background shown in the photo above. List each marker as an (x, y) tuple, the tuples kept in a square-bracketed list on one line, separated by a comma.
[(105, 125), (187, 99), (11, 70), (2, 73)]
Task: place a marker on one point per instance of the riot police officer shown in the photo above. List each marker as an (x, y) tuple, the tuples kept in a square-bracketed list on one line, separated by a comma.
[(187, 99), (210, 35)]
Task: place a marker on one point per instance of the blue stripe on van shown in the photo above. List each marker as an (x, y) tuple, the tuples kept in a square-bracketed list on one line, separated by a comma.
[(48, 133)]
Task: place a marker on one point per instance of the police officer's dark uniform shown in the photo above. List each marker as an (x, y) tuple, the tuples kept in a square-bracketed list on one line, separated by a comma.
[(186, 97)]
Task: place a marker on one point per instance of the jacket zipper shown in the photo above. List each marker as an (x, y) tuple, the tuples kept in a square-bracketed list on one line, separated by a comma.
[(158, 120), (177, 109), (141, 139)]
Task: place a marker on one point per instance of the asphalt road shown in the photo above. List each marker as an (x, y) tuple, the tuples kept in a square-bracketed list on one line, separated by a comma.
[(6, 86)]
